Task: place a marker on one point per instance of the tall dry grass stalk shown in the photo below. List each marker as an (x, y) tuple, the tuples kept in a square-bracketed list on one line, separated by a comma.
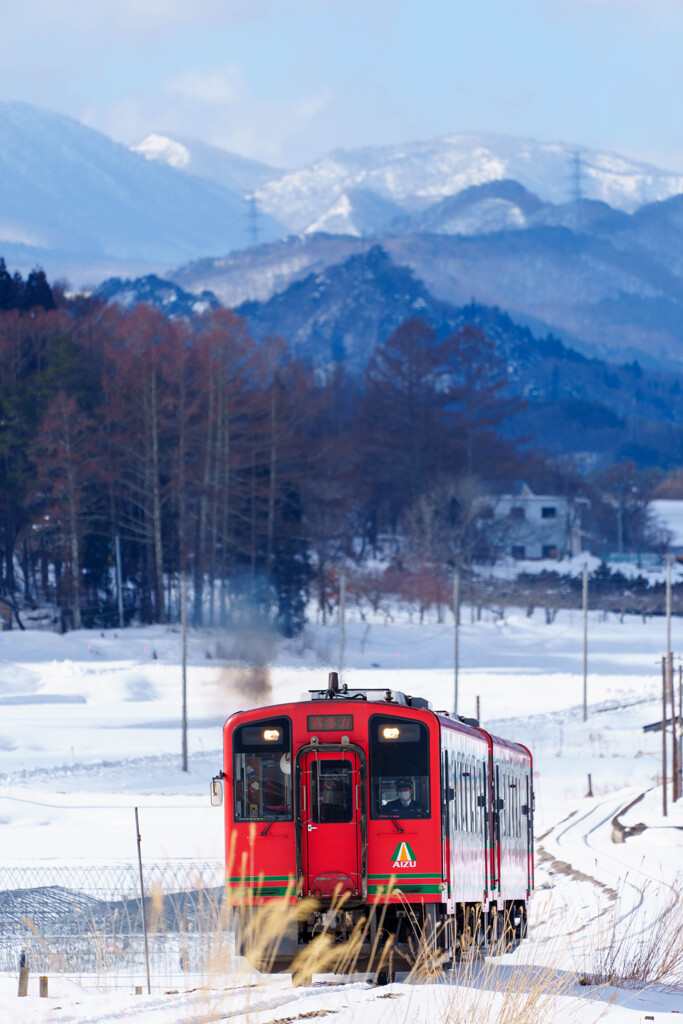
[(638, 946), (486, 986)]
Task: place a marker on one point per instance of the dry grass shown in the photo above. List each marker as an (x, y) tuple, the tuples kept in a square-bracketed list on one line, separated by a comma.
[(638, 947), (481, 986)]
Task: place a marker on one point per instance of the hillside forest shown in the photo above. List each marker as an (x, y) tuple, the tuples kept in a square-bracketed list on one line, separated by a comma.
[(167, 447)]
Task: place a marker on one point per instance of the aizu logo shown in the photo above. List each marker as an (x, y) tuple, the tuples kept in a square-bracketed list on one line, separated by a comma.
[(403, 856)]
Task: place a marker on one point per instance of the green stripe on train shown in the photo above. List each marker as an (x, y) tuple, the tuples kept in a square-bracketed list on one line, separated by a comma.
[(415, 874), (380, 890), (265, 890), (259, 878)]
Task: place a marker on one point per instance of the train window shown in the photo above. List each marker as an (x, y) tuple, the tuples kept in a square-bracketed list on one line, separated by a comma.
[(470, 797), (399, 768), (262, 770), (461, 798), (331, 791)]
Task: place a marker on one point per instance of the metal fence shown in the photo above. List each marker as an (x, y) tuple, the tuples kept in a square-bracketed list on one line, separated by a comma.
[(86, 921)]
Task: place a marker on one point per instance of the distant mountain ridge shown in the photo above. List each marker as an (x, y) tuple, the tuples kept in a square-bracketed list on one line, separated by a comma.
[(472, 216), (228, 170), (605, 281), (576, 404), (154, 291), (416, 174), (71, 195), (409, 177)]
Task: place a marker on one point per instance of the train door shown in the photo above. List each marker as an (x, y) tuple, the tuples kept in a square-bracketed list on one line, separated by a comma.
[(530, 834), (331, 818), (498, 810)]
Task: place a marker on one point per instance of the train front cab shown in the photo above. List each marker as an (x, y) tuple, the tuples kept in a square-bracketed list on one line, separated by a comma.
[(308, 816)]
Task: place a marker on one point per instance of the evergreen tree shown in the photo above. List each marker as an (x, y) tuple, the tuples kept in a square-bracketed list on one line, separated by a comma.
[(18, 290), (37, 291), (291, 571), (8, 291)]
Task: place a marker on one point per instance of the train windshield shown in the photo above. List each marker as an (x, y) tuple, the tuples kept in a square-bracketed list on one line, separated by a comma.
[(399, 768), (262, 770)]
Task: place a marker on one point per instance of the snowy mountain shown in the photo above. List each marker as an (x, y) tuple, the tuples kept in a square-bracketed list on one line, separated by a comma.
[(356, 212), (258, 273), (344, 311), (71, 195), (154, 291), (419, 173), (210, 162), (478, 210), (603, 280), (82, 205)]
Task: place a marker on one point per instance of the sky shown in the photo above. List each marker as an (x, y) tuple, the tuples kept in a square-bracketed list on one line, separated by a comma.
[(285, 81)]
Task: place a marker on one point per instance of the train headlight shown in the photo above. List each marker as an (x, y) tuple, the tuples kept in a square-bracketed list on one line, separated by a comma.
[(391, 733), (271, 735)]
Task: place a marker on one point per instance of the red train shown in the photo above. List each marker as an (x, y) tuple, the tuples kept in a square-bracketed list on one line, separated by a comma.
[(423, 822)]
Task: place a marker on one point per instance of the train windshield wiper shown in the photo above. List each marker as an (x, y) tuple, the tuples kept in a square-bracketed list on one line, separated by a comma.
[(393, 821), (276, 817)]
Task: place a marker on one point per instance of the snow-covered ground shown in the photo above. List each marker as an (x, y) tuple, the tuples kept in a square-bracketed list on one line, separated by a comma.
[(90, 729)]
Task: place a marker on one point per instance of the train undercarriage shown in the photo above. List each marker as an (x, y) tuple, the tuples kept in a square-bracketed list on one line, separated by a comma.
[(379, 939)]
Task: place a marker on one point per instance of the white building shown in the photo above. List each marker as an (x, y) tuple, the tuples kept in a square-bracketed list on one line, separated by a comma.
[(528, 525)]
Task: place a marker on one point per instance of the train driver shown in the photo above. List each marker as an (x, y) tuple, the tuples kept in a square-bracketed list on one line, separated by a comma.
[(404, 806)]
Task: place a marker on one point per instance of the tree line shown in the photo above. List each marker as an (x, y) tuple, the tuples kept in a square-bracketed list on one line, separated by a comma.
[(185, 447)]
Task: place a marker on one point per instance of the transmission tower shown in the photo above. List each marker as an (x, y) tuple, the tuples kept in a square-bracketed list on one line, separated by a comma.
[(576, 178), (253, 214)]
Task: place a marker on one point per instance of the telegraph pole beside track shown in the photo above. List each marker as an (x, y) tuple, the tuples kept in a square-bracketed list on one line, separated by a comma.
[(142, 898), (183, 628), (665, 669), (585, 641), (668, 610)]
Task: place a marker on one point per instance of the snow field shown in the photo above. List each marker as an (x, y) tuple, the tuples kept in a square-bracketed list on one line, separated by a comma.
[(90, 728)]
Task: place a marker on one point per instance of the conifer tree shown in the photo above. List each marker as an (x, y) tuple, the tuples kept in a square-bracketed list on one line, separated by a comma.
[(37, 291), (8, 291)]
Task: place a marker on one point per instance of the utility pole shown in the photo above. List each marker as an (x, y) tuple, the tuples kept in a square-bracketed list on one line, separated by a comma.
[(680, 730), (668, 609), (675, 779), (456, 635), (142, 897), (585, 641), (183, 629), (664, 674)]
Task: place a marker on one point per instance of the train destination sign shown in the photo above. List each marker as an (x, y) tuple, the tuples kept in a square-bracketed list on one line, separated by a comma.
[(329, 723)]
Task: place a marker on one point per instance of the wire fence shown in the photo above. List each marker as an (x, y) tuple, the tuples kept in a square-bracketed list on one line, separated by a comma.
[(87, 922)]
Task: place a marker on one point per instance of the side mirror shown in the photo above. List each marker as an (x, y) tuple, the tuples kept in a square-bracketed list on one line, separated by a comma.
[(216, 793)]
